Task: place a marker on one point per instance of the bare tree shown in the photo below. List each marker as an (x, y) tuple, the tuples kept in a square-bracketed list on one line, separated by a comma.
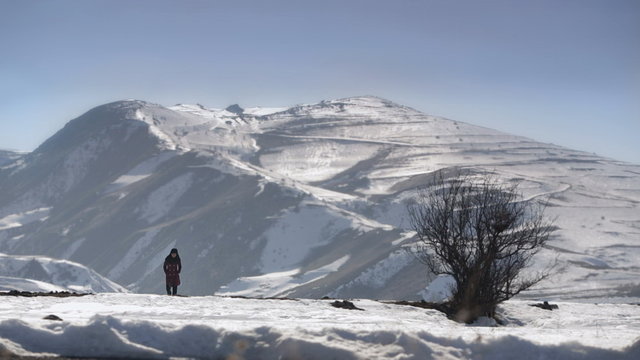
[(482, 233)]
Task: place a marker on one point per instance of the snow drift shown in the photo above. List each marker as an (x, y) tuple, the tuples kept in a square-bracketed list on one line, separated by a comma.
[(151, 326)]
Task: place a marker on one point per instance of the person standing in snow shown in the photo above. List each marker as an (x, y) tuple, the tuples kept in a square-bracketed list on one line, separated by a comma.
[(172, 268)]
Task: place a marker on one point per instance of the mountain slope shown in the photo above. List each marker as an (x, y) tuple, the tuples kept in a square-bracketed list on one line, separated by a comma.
[(305, 201), (37, 273)]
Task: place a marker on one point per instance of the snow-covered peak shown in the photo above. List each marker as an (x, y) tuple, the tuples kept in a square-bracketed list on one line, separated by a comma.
[(49, 274), (359, 103), (197, 110), (264, 111), (97, 122), (368, 101), (114, 112), (230, 112), (127, 103), (341, 105)]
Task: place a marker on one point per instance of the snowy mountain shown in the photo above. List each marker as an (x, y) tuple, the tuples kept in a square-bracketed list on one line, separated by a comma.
[(7, 156), (42, 274), (304, 201)]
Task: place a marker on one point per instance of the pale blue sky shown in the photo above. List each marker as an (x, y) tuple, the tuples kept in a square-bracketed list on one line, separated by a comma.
[(559, 71)]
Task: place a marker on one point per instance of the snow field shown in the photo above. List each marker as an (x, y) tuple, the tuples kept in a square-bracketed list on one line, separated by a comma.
[(315, 159), (139, 247), (17, 220), (154, 326), (160, 202), (296, 233), (141, 171), (275, 283), (379, 274)]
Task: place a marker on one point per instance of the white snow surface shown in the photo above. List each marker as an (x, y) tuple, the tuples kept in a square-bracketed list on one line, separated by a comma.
[(8, 283), (378, 275), (276, 283), (141, 172), (263, 111), (212, 327), (316, 163), (296, 234), (133, 254), (17, 220), (440, 289), (164, 198)]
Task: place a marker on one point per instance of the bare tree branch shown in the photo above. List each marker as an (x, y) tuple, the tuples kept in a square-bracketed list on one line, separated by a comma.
[(482, 233)]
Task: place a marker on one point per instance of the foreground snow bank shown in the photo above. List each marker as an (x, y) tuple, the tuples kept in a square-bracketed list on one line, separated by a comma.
[(151, 326)]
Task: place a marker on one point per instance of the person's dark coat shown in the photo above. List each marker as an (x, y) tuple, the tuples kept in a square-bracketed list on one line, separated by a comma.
[(172, 268)]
